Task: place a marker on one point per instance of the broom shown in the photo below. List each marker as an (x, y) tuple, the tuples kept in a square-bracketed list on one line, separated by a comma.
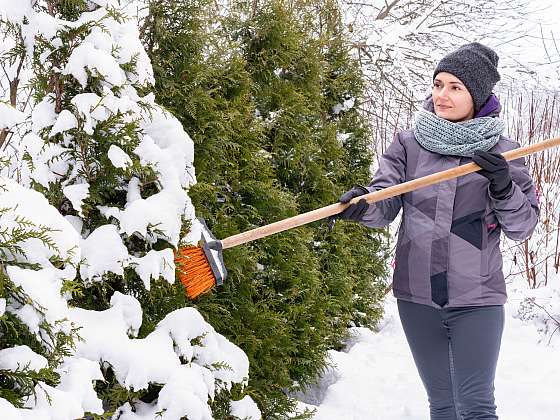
[(201, 267)]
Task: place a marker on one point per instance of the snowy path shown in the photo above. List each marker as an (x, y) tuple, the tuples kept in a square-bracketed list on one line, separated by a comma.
[(375, 379)]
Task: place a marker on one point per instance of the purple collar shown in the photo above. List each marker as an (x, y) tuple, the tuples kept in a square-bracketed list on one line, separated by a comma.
[(491, 108)]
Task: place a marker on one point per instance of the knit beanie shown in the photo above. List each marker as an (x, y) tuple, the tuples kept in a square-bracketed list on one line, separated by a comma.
[(476, 66)]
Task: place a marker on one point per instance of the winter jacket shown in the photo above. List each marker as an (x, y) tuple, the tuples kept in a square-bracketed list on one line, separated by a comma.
[(448, 246)]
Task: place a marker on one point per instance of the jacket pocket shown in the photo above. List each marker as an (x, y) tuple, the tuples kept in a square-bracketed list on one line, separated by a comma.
[(493, 256), (492, 223)]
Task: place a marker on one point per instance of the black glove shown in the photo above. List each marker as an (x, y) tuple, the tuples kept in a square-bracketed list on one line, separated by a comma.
[(496, 169), (353, 211)]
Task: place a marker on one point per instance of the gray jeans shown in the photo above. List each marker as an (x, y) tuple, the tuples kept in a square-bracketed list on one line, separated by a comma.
[(455, 351)]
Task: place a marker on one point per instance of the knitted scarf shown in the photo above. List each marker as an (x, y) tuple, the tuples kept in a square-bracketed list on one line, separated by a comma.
[(456, 138)]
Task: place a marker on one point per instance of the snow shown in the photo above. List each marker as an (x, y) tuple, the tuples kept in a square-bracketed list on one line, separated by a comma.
[(104, 3), (103, 252), (15, 10), (128, 34), (144, 216), (9, 116), (98, 62), (90, 108), (21, 357), (64, 122), (342, 138), (51, 403), (76, 193), (158, 357), (42, 23), (43, 287), (9, 411), (185, 382), (346, 105), (375, 376), (118, 157), (155, 264), (150, 411), (133, 192), (169, 148), (33, 206), (245, 408), (47, 163), (43, 114), (76, 222), (95, 53), (76, 376)]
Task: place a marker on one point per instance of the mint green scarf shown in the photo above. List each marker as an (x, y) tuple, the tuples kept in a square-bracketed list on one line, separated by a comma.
[(456, 138)]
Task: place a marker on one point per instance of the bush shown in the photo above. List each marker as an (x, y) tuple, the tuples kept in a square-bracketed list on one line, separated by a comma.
[(267, 100)]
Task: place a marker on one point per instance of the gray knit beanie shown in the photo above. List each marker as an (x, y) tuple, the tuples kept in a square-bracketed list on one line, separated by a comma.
[(476, 66)]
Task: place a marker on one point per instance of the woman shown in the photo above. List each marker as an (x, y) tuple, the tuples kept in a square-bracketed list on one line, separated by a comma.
[(448, 277)]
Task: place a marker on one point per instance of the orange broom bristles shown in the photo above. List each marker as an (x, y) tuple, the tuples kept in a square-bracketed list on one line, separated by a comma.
[(195, 271)]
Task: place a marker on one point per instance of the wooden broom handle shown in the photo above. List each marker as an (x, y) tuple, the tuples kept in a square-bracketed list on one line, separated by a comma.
[(372, 197)]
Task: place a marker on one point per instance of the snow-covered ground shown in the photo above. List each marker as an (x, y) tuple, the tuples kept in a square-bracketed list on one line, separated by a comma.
[(375, 377)]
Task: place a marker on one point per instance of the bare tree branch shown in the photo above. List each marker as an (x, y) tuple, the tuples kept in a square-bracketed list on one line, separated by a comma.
[(385, 12)]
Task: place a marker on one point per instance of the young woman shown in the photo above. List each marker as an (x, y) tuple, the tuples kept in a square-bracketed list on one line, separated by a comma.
[(448, 277)]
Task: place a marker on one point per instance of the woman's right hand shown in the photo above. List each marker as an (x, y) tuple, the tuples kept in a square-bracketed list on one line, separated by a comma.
[(354, 211)]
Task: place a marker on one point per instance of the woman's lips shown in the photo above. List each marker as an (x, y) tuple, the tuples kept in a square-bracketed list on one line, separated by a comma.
[(443, 107)]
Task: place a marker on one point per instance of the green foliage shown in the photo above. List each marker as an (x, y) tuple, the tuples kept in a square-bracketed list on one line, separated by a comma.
[(53, 343), (256, 92), (114, 395), (20, 383)]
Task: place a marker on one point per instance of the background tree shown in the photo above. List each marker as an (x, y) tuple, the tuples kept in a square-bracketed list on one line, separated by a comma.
[(268, 93)]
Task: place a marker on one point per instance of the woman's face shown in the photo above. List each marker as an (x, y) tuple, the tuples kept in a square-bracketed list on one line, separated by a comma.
[(451, 98)]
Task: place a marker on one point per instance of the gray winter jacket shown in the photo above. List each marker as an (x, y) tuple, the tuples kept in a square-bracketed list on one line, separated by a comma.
[(448, 247)]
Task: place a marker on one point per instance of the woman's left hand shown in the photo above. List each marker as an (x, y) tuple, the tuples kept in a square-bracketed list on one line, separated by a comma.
[(496, 169)]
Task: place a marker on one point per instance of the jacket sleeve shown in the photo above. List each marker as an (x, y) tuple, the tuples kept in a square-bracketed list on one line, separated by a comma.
[(518, 212), (392, 170)]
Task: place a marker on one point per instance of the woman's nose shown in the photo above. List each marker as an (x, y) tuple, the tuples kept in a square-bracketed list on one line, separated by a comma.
[(443, 93)]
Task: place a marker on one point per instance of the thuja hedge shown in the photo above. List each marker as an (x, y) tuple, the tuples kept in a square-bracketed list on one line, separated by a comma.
[(261, 90)]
